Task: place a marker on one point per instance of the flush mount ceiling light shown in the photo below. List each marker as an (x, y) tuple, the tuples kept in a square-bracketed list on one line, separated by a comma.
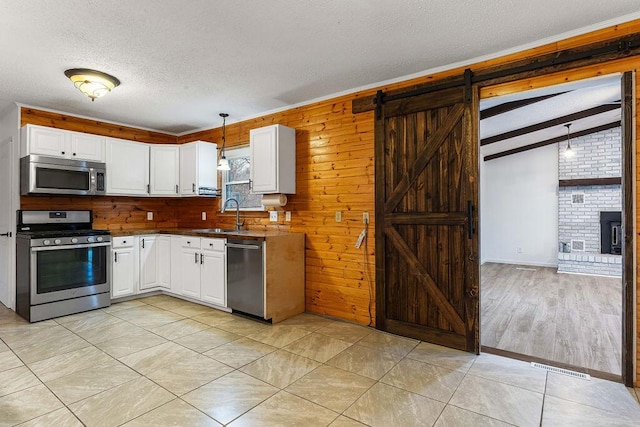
[(223, 165), (568, 153), (92, 83)]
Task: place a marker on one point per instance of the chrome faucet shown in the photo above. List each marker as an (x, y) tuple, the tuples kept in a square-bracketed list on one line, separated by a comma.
[(224, 208)]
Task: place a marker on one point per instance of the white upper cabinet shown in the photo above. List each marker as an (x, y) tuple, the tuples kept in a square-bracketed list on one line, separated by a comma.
[(273, 159), (127, 167), (164, 169), (65, 144), (198, 168), (85, 146)]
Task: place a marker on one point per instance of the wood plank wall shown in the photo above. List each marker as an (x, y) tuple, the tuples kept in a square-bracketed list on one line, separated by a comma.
[(335, 172)]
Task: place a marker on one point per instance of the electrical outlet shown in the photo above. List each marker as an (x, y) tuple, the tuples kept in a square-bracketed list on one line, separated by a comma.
[(287, 216), (149, 216), (273, 216), (365, 217), (338, 216), (204, 216)]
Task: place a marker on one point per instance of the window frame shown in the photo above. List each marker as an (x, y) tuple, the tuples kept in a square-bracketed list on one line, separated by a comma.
[(234, 153)]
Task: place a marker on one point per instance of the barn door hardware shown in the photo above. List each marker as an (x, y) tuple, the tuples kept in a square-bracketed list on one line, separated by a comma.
[(468, 81), (379, 101), (470, 210)]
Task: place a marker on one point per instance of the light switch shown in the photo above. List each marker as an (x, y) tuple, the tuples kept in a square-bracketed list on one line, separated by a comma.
[(149, 216), (204, 216), (338, 216), (287, 216)]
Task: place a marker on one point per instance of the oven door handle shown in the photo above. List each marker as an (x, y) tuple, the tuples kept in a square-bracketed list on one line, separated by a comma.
[(81, 246)]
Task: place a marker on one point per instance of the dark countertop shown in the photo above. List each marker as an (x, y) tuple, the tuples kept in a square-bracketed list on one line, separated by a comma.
[(242, 234)]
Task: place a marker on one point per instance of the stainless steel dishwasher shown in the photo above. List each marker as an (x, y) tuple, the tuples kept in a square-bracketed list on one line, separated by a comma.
[(245, 282)]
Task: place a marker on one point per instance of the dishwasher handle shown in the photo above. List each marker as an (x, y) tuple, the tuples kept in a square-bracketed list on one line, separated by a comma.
[(241, 246)]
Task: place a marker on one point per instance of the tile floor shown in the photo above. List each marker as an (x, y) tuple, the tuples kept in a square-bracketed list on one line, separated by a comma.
[(161, 361)]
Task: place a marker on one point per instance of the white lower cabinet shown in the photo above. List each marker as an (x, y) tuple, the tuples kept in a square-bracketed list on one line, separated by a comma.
[(203, 269), (213, 272), (155, 262), (190, 267), (124, 267), (183, 265)]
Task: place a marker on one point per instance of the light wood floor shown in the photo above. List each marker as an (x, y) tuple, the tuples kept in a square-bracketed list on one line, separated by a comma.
[(566, 318)]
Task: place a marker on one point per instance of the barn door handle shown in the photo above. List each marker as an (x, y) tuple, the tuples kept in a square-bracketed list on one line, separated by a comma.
[(470, 209)]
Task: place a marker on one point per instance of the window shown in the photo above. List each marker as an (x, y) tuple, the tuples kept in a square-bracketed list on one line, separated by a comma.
[(235, 181)]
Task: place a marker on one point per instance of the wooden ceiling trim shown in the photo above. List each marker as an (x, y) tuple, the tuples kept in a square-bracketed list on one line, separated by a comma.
[(550, 123), (552, 141)]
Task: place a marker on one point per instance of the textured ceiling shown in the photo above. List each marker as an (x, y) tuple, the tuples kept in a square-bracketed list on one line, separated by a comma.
[(183, 62)]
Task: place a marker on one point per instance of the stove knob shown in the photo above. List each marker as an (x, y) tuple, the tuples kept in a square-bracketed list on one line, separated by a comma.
[(57, 241), (74, 240), (46, 242), (99, 239), (91, 239)]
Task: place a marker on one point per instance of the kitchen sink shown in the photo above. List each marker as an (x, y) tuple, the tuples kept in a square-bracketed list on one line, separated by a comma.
[(215, 230)]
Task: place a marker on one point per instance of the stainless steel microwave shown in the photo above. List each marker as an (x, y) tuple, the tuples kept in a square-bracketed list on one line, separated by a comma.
[(50, 175)]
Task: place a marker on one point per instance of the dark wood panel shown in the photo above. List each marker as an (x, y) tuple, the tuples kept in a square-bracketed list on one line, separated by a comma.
[(589, 181)]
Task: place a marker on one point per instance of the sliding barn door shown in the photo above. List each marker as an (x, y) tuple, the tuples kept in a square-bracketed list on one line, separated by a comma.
[(427, 269)]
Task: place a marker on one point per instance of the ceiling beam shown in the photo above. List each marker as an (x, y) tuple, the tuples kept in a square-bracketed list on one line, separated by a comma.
[(513, 105), (552, 141), (550, 123)]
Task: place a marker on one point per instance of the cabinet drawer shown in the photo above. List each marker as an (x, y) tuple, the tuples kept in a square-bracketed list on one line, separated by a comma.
[(122, 242), (213, 244), (191, 242)]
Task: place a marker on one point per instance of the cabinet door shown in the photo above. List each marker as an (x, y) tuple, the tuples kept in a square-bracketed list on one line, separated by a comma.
[(213, 281), (47, 141), (127, 167), (149, 263), (87, 147), (264, 160), (164, 261), (189, 169), (190, 272), (123, 277), (164, 168)]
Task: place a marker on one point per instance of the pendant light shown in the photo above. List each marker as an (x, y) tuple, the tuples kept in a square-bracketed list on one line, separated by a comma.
[(223, 164), (92, 83), (568, 152)]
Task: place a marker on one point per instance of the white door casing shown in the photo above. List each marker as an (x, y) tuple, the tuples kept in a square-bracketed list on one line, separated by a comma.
[(8, 197)]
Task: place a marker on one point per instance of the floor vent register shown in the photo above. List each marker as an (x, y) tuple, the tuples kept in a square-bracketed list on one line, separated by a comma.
[(573, 374)]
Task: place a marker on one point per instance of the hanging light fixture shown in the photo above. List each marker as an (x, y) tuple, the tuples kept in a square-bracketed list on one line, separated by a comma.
[(92, 83), (223, 164), (568, 152)]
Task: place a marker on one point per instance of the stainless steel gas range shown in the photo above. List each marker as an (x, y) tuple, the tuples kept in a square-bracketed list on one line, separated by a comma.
[(62, 264)]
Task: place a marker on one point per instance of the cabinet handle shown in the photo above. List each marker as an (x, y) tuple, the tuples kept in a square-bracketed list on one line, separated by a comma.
[(74, 154), (211, 244), (193, 187), (196, 254), (63, 152), (142, 243), (148, 189), (115, 255), (7, 234), (188, 243), (177, 189), (201, 259), (124, 242), (250, 185)]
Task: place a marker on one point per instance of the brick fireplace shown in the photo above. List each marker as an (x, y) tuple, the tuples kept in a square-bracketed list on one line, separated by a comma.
[(590, 198)]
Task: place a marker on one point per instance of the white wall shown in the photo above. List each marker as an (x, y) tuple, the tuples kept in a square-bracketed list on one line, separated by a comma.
[(519, 208)]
